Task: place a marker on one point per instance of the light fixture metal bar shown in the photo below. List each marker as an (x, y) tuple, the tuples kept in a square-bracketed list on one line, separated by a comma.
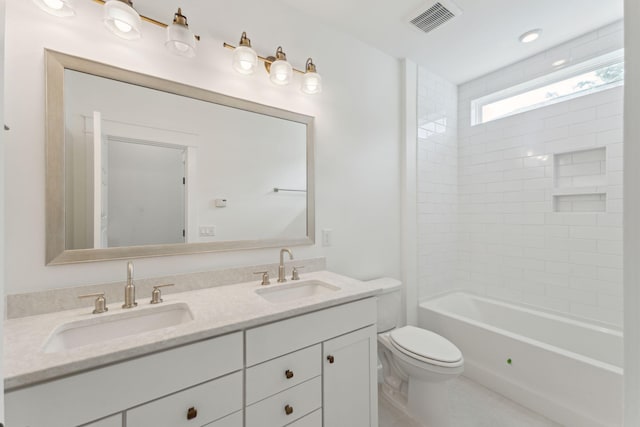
[(261, 58), (146, 18)]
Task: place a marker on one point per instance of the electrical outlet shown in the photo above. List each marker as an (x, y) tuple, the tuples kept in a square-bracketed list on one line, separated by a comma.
[(207, 230), (327, 238)]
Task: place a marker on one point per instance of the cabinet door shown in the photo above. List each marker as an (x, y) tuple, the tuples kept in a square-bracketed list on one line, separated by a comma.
[(350, 392)]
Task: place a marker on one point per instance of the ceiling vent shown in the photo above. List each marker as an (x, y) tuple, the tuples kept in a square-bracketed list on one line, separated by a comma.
[(436, 14)]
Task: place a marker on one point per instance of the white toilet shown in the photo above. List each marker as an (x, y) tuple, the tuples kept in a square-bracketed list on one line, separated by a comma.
[(417, 365)]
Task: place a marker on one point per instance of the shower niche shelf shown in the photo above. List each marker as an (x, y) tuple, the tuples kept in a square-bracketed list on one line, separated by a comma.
[(580, 181)]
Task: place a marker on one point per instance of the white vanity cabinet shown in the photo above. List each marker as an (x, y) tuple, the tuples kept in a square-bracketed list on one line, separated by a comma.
[(312, 370), (79, 399), (290, 380)]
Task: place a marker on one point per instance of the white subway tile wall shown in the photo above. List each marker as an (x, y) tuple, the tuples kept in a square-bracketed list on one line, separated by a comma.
[(437, 183), (514, 245), (497, 215)]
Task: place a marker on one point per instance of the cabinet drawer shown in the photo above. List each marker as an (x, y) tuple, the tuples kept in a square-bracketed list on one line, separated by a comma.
[(271, 412), (279, 374), (211, 401), (233, 420), (85, 397), (314, 419), (113, 421), (272, 340)]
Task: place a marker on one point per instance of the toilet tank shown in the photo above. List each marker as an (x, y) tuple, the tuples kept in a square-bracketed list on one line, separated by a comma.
[(389, 303)]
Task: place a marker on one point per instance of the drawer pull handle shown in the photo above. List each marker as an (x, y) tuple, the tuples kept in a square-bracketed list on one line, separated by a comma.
[(288, 409), (289, 374), (192, 413), (330, 359)]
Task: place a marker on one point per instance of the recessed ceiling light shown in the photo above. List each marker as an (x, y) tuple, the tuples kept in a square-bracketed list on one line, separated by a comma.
[(559, 62), (530, 36)]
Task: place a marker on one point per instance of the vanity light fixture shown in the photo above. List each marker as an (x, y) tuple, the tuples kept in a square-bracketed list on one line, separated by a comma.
[(59, 8), (530, 36), (180, 39), (122, 19), (245, 59), (280, 71), (311, 80)]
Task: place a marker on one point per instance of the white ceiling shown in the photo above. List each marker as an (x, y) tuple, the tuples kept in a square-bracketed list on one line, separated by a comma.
[(482, 39)]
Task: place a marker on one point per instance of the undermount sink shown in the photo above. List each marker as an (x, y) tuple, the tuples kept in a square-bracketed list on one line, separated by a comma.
[(108, 326), (295, 291)]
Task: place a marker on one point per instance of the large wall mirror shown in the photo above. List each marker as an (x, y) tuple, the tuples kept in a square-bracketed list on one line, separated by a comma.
[(140, 166)]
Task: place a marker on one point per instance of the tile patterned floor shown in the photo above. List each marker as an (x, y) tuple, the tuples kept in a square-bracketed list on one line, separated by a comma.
[(472, 405)]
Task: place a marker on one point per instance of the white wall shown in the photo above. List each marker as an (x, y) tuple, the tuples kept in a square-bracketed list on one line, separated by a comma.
[(437, 157), (512, 244), (357, 131)]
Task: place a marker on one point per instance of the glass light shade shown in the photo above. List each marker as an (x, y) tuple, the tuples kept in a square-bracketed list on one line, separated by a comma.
[(311, 83), (180, 40), (122, 20), (281, 72), (59, 8), (245, 60)]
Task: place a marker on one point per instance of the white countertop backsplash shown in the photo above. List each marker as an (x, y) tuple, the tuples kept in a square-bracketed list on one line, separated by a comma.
[(216, 311), (50, 301)]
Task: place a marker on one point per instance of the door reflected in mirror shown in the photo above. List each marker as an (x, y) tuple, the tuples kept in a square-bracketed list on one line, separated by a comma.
[(144, 194)]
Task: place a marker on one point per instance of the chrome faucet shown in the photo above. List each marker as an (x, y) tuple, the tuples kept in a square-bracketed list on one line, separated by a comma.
[(281, 272), (129, 289)]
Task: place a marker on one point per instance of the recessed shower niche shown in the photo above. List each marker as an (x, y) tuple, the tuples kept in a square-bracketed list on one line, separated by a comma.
[(580, 181)]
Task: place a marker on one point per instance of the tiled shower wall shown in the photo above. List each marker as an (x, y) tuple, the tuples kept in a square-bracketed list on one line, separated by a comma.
[(437, 183), (540, 193), (495, 213)]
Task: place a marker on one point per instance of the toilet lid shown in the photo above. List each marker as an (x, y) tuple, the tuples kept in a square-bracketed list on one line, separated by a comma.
[(426, 344)]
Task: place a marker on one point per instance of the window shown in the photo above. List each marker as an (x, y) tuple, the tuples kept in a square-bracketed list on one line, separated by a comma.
[(588, 77)]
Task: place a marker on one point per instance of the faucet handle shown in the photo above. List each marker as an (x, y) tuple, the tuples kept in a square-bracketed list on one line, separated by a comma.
[(294, 272), (156, 295), (100, 303), (265, 277)]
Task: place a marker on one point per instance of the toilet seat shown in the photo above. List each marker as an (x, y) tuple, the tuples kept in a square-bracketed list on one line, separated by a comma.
[(426, 346)]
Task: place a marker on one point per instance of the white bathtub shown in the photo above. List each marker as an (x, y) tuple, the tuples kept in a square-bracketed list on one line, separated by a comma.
[(568, 370)]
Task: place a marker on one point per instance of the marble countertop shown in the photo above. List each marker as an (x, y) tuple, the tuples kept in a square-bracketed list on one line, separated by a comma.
[(216, 311)]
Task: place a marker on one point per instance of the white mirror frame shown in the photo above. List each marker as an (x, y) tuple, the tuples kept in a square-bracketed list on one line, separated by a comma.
[(56, 252)]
